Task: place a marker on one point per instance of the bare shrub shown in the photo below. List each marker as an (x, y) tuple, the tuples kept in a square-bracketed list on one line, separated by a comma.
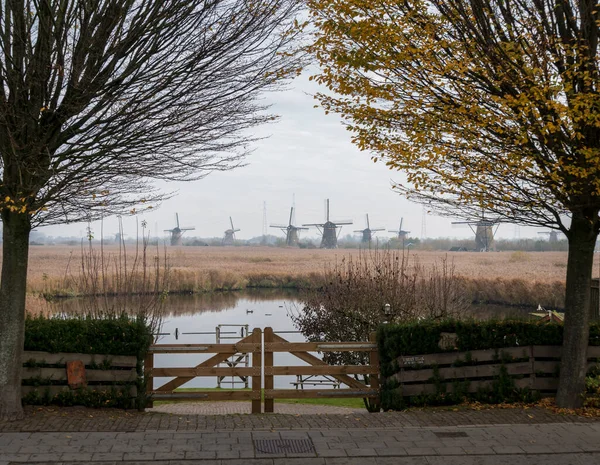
[(349, 304)]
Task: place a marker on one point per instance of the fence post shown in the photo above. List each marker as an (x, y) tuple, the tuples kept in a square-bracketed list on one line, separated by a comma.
[(269, 368), (148, 378), (374, 362), (532, 369), (257, 365)]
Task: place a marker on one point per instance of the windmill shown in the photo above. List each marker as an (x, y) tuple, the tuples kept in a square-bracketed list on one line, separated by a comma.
[(552, 235), (229, 237), (367, 233), (484, 229), (329, 230), (401, 233), (177, 232), (119, 237), (291, 231)]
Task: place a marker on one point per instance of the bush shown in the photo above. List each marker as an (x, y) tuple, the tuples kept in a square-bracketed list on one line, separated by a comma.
[(113, 335), (415, 338)]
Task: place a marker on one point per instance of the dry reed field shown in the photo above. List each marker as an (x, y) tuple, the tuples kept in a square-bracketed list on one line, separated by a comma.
[(516, 277), (52, 261)]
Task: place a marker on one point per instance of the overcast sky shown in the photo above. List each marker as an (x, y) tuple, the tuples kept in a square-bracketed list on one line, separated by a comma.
[(309, 155)]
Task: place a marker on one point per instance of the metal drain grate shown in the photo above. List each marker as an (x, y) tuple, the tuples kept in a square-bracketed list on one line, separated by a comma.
[(451, 434), (283, 446)]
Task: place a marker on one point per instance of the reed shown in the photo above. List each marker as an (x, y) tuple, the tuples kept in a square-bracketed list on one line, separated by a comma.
[(140, 278)]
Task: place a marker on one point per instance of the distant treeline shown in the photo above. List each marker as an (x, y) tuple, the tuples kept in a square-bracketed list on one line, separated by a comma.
[(349, 242)]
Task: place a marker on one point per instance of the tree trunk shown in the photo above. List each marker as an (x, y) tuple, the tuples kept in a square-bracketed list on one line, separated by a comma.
[(573, 367), (13, 282)]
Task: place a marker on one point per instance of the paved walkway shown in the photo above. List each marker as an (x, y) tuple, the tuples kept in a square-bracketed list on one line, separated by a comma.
[(548, 444), (429, 437)]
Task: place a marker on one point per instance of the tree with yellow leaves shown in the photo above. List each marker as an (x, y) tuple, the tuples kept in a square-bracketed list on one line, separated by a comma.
[(484, 104)]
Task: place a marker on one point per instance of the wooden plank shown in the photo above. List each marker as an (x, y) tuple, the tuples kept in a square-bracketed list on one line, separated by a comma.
[(60, 374), (256, 338), (461, 373), (208, 395), (319, 393), (545, 384), (449, 358), (409, 390), (312, 360), (322, 370), (205, 371), (547, 351), (111, 375), (212, 361), (240, 347), (268, 362), (54, 374), (61, 358), (593, 352), (552, 367), (54, 390), (320, 346), (546, 367)]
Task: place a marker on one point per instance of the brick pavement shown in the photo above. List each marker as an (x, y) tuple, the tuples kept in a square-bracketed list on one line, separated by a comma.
[(70, 436), (547, 444)]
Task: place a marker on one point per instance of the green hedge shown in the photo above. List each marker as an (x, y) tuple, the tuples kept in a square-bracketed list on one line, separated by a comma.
[(119, 335), (423, 337)]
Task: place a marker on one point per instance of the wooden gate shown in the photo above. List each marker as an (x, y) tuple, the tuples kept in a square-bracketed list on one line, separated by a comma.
[(272, 343)]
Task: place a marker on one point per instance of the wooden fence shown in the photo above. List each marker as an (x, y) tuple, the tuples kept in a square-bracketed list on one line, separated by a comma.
[(50, 374), (533, 367), (254, 344)]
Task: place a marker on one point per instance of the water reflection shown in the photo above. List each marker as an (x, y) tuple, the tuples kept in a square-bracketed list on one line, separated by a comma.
[(180, 304)]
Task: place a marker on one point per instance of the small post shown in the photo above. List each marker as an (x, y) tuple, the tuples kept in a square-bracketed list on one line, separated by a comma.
[(268, 368), (257, 365), (374, 362), (532, 369), (148, 378)]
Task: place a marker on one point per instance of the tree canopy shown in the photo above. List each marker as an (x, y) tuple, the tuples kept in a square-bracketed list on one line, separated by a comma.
[(483, 103), (97, 98)]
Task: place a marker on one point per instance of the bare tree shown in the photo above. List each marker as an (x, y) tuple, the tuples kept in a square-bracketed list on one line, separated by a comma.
[(100, 97)]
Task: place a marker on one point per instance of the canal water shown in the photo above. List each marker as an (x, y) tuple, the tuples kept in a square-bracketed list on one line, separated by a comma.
[(196, 319)]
